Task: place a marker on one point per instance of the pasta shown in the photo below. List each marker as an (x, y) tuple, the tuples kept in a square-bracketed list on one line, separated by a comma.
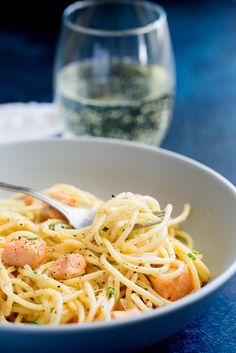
[(53, 274)]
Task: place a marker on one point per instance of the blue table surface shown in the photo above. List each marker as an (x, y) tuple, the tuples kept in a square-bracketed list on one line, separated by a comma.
[(204, 124)]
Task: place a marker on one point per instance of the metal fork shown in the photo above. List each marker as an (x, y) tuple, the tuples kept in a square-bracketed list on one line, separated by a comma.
[(160, 214), (78, 217)]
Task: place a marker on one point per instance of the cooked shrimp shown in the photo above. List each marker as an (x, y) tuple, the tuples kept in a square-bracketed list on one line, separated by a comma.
[(173, 288), (25, 251), (68, 266), (67, 200), (120, 314), (74, 320), (28, 200), (50, 212), (46, 212)]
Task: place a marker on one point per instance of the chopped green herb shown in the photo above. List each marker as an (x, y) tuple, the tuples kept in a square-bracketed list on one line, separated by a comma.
[(191, 256), (32, 322), (105, 229), (62, 226), (98, 284), (145, 288), (51, 226), (111, 292), (116, 263)]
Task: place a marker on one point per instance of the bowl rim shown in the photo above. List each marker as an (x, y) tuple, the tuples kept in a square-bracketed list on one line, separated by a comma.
[(211, 287)]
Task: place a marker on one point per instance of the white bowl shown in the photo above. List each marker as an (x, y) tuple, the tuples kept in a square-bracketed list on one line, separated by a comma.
[(106, 167)]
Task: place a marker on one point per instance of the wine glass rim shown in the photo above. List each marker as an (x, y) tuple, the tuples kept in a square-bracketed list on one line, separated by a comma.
[(153, 25)]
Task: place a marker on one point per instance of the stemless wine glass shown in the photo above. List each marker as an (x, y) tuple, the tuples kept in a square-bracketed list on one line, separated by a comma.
[(114, 70)]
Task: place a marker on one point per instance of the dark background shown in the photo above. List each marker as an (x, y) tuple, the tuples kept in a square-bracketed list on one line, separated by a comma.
[(204, 124)]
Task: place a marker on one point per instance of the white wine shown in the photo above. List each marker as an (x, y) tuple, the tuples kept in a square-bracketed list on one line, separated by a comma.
[(125, 100)]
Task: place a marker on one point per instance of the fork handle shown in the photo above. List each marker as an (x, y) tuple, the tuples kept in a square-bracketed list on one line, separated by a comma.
[(28, 191)]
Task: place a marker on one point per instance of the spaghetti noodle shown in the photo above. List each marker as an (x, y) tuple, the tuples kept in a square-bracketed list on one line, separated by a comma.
[(126, 269)]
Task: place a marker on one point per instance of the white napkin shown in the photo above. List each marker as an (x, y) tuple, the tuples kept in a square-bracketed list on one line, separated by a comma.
[(22, 121)]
